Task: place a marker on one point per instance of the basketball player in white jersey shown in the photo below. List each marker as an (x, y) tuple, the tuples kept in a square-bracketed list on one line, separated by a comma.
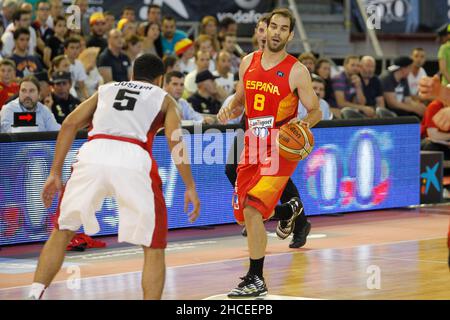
[(117, 161)]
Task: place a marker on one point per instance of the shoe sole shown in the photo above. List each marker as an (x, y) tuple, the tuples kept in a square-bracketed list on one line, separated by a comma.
[(308, 230), (262, 294), (282, 235)]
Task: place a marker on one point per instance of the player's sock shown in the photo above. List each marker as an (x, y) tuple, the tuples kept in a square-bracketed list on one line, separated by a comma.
[(283, 211), (36, 291), (256, 267)]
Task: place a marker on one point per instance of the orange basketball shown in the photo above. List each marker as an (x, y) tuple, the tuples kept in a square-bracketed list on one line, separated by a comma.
[(295, 141)]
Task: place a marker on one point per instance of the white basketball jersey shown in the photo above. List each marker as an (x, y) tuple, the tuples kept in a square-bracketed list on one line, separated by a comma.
[(127, 109)]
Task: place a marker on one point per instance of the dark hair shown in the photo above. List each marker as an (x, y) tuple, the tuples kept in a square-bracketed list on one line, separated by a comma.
[(168, 18), (20, 31), (128, 8), (31, 79), (285, 13), (108, 13), (350, 57), (59, 18), (169, 61), (316, 78), (19, 13), (264, 18), (418, 49), (173, 74), (148, 25), (225, 22), (70, 40), (153, 6), (8, 62), (147, 67)]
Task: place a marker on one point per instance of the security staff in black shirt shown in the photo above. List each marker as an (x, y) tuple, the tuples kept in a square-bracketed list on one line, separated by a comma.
[(203, 100), (63, 102)]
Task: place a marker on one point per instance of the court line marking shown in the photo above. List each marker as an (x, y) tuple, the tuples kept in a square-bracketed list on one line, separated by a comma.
[(227, 260)]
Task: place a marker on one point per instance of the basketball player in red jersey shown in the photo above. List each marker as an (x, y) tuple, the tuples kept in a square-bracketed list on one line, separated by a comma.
[(272, 82), (117, 161)]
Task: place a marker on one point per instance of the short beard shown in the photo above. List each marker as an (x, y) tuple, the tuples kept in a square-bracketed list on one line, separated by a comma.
[(33, 106), (275, 49)]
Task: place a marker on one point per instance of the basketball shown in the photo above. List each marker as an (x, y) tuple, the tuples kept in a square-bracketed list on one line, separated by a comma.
[(295, 141)]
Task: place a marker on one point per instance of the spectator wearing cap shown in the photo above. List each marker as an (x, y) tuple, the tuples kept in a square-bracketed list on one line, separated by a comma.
[(112, 64), (63, 102), (444, 58), (184, 49), (396, 90), (21, 19), (8, 86), (152, 39), (170, 35), (127, 27), (26, 64), (203, 100), (72, 49), (56, 41), (28, 101), (371, 84), (202, 63), (348, 91), (97, 39), (174, 85)]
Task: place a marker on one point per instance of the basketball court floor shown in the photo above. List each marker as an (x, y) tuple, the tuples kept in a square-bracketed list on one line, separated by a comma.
[(390, 254)]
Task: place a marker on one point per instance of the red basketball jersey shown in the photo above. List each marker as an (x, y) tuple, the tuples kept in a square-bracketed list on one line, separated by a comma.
[(269, 101)]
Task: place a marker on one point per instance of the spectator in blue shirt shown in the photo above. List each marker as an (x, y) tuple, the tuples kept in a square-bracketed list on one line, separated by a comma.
[(348, 91), (174, 85), (170, 36), (28, 101)]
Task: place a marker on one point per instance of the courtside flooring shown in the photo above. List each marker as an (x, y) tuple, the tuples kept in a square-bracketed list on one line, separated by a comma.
[(389, 254)]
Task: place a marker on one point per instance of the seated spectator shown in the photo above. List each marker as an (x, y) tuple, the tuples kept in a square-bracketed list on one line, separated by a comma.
[(28, 101), (432, 133), (127, 27), (170, 35), (8, 7), (204, 43), (417, 72), (229, 45), (227, 26), (225, 79), (323, 70), (184, 49), (56, 41), (112, 64), (133, 47), (153, 17), (25, 64), (171, 63), (202, 63), (8, 87), (348, 92), (208, 26), (63, 102), (371, 84), (110, 21), (203, 100), (88, 58), (152, 39), (174, 85), (45, 94), (21, 19), (97, 39), (129, 13), (59, 63), (396, 90), (319, 88), (72, 49), (309, 61), (40, 25)]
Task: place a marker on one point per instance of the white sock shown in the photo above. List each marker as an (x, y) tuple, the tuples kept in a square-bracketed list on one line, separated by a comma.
[(36, 291)]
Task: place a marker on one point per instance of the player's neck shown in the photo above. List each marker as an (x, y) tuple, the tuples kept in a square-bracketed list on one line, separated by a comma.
[(270, 59)]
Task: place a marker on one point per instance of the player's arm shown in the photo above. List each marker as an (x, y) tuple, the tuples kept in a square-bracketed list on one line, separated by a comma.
[(75, 121), (235, 108), (300, 79), (179, 153)]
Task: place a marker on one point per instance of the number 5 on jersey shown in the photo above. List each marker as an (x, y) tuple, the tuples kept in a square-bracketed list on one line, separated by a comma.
[(258, 102), (122, 96)]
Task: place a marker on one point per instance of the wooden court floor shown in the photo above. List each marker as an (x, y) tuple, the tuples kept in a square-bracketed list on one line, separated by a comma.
[(392, 254)]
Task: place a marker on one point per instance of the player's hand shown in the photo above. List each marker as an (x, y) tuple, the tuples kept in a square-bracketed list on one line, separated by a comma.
[(51, 187), (442, 119), (224, 115), (190, 196), (429, 88), (300, 122)]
